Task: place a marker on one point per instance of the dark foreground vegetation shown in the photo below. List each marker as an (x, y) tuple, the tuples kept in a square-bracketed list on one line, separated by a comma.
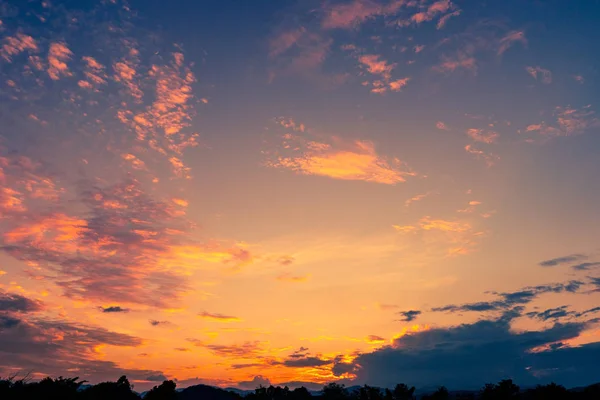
[(74, 389)]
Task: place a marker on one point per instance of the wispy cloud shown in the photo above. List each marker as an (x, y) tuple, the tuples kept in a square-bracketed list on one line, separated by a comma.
[(354, 13), (483, 135), (553, 262), (408, 316), (218, 317), (568, 122), (511, 38), (338, 158), (538, 72)]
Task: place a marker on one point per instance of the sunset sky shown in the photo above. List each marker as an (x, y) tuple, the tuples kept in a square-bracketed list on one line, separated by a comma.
[(300, 191)]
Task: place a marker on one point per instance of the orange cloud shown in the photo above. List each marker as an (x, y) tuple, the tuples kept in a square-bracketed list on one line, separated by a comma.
[(15, 45), (339, 159), (454, 237), (293, 278), (489, 158), (482, 135), (382, 68), (58, 56), (416, 198), (218, 317)]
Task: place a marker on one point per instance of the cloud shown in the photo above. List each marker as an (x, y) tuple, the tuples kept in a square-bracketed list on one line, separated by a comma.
[(218, 317), (155, 322), (52, 347), (306, 362), (410, 315), (489, 158), (442, 126), (353, 14), (156, 378), (256, 382), (585, 266), (483, 135), (293, 278), (114, 309), (469, 355), (444, 19), (509, 39), (416, 198), (453, 237), (460, 61), (15, 303), (562, 260), (375, 339), (58, 56), (383, 70), (569, 122), (338, 158), (438, 7), (551, 313), (246, 350), (511, 299), (15, 45), (544, 74)]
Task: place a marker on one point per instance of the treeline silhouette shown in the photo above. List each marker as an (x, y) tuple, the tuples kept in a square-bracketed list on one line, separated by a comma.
[(75, 389)]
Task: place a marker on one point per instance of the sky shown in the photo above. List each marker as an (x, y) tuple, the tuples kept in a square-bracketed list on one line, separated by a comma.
[(297, 192)]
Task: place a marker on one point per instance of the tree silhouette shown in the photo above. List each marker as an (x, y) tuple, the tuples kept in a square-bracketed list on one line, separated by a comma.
[(504, 390), (403, 392), (334, 391), (166, 391)]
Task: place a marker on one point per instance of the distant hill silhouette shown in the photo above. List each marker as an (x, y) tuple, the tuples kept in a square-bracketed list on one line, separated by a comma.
[(74, 389)]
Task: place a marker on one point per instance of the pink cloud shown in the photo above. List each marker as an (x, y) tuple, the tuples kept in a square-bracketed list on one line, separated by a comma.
[(439, 7), (442, 126), (442, 22), (397, 85), (482, 135), (284, 41), (376, 66), (544, 74), (452, 64), (349, 15), (509, 39)]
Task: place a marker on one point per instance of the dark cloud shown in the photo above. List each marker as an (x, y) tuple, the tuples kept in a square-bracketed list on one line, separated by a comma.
[(552, 313), (155, 322), (562, 260), (469, 355), (53, 347), (7, 322), (15, 303), (595, 282), (306, 362), (257, 381), (114, 309), (410, 315), (511, 299), (156, 378), (585, 266)]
